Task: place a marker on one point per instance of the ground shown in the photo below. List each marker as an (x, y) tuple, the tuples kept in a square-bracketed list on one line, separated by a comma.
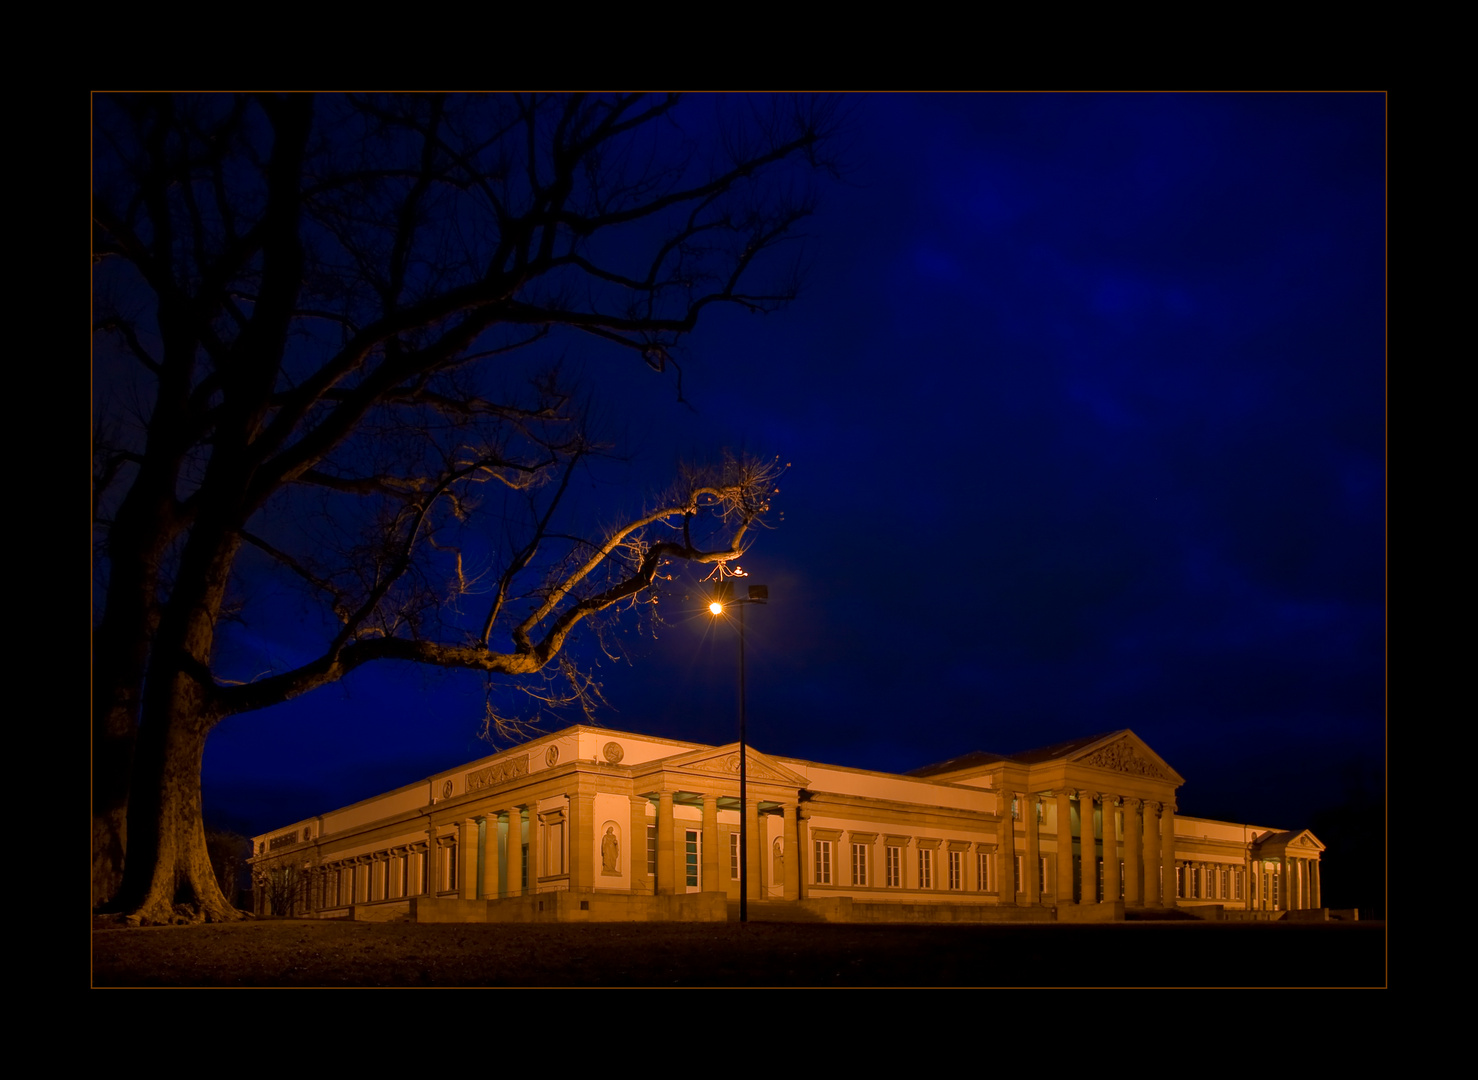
[(295, 952)]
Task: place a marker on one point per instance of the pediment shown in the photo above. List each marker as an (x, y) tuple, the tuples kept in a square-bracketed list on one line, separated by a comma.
[(1125, 752), (1306, 840), (724, 761), (1301, 842)]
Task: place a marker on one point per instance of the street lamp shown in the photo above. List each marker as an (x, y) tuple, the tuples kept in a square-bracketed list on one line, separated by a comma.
[(723, 596)]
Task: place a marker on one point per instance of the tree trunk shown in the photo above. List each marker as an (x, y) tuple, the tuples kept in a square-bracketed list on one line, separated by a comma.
[(167, 856), (141, 533)]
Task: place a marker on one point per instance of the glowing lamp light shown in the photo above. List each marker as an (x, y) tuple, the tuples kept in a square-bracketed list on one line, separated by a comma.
[(716, 608)]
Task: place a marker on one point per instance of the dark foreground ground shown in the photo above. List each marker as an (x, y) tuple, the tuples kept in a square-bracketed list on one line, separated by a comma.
[(289, 952)]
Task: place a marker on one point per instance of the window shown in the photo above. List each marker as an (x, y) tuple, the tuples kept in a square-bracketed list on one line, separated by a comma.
[(956, 871), (859, 864), (895, 867), (733, 856), (982, 871), (823, 862), (690, 858), (523, 868), (554, 841), (926, 868), (652, 851)]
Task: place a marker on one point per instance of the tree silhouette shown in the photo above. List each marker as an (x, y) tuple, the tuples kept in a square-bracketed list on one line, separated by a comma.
[(309, 316)]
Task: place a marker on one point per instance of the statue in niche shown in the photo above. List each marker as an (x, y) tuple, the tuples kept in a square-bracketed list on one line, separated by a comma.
[(610, 851)]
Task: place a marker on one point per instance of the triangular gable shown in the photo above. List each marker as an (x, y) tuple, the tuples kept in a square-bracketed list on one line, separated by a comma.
[(1301, 842), (724, 760), (1126, 752)]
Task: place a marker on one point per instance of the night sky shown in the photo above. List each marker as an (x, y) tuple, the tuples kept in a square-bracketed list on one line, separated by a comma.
[(1085, 402)]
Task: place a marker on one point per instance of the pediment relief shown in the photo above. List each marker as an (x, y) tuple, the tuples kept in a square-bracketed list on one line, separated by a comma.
[(725, 762), (729, 764), (1125, 756)]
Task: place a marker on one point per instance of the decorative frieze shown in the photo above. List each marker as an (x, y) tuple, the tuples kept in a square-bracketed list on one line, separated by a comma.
[(500, 772)]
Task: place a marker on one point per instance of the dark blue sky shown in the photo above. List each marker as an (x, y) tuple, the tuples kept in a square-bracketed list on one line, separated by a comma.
[(1085, 398)]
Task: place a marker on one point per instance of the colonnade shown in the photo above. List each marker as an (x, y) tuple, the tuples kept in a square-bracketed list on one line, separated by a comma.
[(1286, 883), (1147, 850), (713, 873)]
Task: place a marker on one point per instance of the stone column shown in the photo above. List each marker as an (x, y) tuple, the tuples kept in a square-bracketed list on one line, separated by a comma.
[(1087, 849), (711, 881), (666, 870), (1031, 863), (756, 852), (466, 849), (1167, 851), (1111, 886), (1315, 895), (487, 859), (1153, 879), (513, 883), (1133, 853), (1064, 890), (431, 878), (637, 850), (793, 851)]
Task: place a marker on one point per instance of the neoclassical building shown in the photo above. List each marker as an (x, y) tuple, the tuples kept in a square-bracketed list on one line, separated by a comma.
[(595, 824)]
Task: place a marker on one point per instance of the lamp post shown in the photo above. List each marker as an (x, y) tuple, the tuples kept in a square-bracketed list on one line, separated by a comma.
[(723, 596)]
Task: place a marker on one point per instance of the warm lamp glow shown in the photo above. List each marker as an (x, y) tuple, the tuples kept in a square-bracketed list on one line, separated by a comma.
[(716, 608)]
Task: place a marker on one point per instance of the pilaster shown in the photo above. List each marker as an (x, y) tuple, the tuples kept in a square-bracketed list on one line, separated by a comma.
[(1031, 865), (582, 840), (711, 880), (636, 860), (793, 852), (754, 856), (1006, 883)]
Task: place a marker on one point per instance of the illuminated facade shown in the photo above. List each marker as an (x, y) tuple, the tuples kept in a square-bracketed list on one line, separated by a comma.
[(603, 825)]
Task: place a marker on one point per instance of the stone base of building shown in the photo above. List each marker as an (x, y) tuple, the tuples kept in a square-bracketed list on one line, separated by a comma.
[(844, 909), (1090, 913), (595, 906), (569, 906)]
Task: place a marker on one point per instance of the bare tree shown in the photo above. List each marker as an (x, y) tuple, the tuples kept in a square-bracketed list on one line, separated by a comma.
[(308, 314), (282, 886)]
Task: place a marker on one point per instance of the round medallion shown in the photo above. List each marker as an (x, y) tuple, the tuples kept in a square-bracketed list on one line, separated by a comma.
[(614, 753), (551, 756), (446, 790)]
